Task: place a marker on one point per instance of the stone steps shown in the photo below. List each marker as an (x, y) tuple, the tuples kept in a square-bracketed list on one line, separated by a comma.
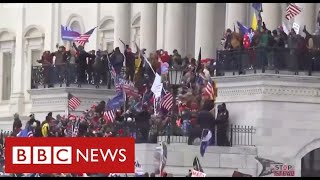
[(217, 161)]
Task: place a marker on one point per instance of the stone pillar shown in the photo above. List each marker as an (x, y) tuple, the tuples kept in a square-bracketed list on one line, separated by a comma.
[(148, 38), (49, 44), (306, 17), (236, 12), (317, 11), (17, 95), (271, 15), (122, 25), (205, 30), (175, 32)]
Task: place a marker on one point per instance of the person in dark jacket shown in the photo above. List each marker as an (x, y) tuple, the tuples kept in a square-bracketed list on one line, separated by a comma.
[(222, 123), (90, 69), (98, 68), (130, 64), (16, 124), (227, 44), (117, 60), (82, 62), (37, 129), (60, 62), (205, 118)]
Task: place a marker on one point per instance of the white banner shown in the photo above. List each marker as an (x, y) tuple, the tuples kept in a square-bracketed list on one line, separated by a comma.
[(296, 27), (157, 86), (198, 174)]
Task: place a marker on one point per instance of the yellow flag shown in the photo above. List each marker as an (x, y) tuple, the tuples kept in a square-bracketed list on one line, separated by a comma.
[(254, 24)]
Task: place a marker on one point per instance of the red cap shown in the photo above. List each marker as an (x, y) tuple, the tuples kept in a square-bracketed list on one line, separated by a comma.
[(72, 117)]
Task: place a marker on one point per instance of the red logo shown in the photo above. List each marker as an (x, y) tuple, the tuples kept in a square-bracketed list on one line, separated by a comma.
[(69, 155)]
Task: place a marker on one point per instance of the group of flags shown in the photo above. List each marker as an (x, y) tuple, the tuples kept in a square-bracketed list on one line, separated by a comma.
[(292, 10), (70, 35)]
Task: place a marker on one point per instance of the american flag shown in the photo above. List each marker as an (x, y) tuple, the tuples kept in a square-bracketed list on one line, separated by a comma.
[(73, 102), (209, 89), (167, 101), (122, 83), (292, 10), (30, 134), (129, 89), (109, 115), (83, 38)]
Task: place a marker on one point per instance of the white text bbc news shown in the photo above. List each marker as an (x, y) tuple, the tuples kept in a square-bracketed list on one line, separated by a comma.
[(63, 155)]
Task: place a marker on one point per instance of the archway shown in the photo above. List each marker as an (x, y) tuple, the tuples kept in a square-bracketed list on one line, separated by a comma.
[(310, 164), (309, 152), (106, 34)]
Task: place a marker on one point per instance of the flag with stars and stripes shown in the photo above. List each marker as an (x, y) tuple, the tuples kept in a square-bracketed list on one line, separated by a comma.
[(209, 89), (292, 11), (84, 38), (109, 115), (167, 101), (73, 102)]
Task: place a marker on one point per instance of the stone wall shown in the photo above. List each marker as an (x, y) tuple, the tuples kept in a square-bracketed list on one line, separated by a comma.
[(284, 109), (217, 161)]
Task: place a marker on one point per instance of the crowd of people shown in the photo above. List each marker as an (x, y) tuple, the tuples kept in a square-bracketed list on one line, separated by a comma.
[(140, 116), (269, 50), (76, 66)]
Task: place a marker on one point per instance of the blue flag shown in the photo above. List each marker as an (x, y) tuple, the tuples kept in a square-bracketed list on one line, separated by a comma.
[(205, 141), (257, 6), (116, 101), (243, 28), (68, 34), (25, 133)]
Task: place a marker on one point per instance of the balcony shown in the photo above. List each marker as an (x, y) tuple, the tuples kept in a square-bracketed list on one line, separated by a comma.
[(68, 75), (268, 60)]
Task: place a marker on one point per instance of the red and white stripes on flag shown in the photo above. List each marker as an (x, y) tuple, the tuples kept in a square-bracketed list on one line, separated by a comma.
[(73, 102), (167, 101), (130, 90), (109, 115), (84, 38), (30, 134), (292, 10), (209, 89)]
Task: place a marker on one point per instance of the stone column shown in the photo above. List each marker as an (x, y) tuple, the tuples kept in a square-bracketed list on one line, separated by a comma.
[(17, 95), (148, 38), (205, 30), (317, 10), (49, 44), (122, 25), (306, 17), (271, 15), (175, 32), (236, 12)]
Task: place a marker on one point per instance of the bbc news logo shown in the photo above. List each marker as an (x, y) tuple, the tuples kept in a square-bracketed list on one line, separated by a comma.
[(69, 155), (282, 170)]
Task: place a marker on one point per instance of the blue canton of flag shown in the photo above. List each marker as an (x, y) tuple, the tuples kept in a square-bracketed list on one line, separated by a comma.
[(116, 101), (257, 6)]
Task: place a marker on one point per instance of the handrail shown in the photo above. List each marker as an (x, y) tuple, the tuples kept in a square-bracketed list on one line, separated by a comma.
[(274, 59)]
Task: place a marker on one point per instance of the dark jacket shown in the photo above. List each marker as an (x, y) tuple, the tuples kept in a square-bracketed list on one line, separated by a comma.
[(205, 119), (117, 59), (82, 56), (130, 60), (16, 124)]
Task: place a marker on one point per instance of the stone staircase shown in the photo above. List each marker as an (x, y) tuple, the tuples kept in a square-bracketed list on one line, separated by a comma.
[(217, 161)]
